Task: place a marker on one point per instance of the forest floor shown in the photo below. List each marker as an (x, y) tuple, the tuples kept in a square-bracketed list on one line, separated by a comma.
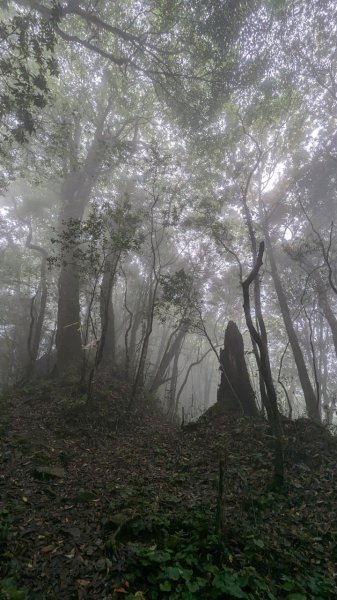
[(99, 506)]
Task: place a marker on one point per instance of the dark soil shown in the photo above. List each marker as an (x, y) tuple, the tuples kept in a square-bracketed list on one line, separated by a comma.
[(71, 480)]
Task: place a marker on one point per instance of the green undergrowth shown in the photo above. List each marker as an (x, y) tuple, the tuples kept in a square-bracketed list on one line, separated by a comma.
[(186, 559), (129, 512)]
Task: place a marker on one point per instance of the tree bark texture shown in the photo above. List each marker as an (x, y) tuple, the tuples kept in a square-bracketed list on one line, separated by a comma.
[(326, 308), (108, 338), (235, 392), (37, 315), (140, 373), (308, 391), (75, 193), (173, 384), (172, 348), (271, 406)]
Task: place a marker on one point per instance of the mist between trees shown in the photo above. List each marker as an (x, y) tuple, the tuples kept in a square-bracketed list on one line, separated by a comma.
[(148, 148)]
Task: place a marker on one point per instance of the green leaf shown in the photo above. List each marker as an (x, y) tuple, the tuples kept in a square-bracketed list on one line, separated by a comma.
[(165, 586), (172, 573), (226, 582), (193, 586), (297, 596), (159, 556), (259, 543), (288, 586)]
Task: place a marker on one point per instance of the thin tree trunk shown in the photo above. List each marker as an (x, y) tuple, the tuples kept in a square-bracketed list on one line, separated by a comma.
[(107, 343), (271, 407), (167, 357), (137, 318), (173, 382), (161, 350), (107, 339), (311, 351), (290, 408), (257, 288), (127, 331), (326, 308), (140, 374), (308, 391), (153, 287), (207, 389), (34, 338), (193, 364)]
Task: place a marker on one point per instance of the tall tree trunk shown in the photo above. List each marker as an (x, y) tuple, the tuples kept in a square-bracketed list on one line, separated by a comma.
[(36, 325), (161, 349), (140, 374), (76, 191), (108, 337), (326, 308), (168, 355), (308, 391), (207, 388), (323, 371), (20, 353), (135, 323), (127, 330), (109, 353), (260, 325), (193, 364), (154, 279), (173, 382), (271, 406), (68, 334)]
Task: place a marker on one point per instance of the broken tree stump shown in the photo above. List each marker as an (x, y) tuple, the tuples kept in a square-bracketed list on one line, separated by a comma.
[(235, 392)]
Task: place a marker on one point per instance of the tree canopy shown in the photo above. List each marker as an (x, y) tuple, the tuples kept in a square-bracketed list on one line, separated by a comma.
[(168, 230), (206, 128)]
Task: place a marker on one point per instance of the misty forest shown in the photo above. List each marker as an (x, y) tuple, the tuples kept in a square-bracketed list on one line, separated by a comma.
[(168, 299)]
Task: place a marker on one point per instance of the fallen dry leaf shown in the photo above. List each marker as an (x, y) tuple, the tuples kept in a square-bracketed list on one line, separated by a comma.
[(83, 582), (47, 549)]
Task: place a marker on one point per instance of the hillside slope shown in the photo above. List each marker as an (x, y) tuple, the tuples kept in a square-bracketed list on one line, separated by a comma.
[(126, 508)]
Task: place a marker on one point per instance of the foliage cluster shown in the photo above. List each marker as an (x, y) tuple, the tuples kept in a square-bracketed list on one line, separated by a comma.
[(93, 243), (187, 560), (27, 47)]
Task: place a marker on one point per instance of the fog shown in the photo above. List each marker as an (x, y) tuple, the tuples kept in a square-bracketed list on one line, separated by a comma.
[(140, 174)]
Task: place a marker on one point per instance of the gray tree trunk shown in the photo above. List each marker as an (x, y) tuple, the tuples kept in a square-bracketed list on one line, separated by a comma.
[(326, 308), (140, 373), (37, 316), (308, 391), (170, 352), (173, 383), (107, 316), (76, 191)]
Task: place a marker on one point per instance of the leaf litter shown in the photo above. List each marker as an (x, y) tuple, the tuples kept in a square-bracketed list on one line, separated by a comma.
[(78, 496)]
